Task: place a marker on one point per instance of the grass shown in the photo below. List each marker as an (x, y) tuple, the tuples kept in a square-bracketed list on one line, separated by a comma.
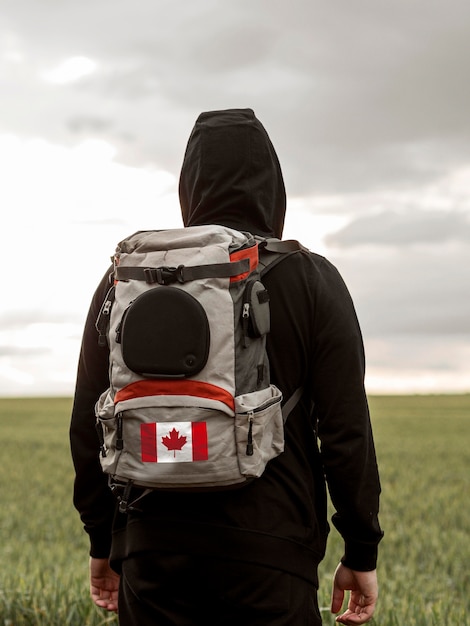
[(424, 459), (423, 452), (43, 550)]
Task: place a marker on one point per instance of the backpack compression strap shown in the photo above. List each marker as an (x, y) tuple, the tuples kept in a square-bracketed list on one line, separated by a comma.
[(182, 273)]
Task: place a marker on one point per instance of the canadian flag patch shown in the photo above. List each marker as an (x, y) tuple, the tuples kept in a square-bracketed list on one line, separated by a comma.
[(175, 442)]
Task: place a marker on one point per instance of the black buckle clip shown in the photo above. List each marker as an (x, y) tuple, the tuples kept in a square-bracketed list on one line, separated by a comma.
[(164, 275)]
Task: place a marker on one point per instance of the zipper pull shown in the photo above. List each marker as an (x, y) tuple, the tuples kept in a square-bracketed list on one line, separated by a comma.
[(119, 439), (102, 323), (245, 319), (249, 443), (99, 432)]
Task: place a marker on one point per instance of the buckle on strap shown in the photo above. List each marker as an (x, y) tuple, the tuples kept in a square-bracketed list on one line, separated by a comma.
[(164, 275)]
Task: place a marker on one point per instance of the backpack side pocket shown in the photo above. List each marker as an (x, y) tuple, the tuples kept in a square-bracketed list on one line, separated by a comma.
[(259, 429)]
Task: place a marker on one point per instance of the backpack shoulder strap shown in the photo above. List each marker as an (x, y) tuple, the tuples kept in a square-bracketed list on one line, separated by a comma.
[(272, 251), (291, 403)]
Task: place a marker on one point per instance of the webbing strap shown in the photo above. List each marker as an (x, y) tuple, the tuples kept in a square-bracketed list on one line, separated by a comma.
[(273, 251), (281, 249), (182, 273), (277, 245), (291, 403)]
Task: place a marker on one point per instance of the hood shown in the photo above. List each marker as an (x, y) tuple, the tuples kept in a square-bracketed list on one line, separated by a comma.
[(231, 175)]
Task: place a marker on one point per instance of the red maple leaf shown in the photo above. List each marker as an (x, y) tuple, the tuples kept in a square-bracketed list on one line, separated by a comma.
[(175, 441)]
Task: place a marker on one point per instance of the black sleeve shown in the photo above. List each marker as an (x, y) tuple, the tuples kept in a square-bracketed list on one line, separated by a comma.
[(92, 496), (344, 428)]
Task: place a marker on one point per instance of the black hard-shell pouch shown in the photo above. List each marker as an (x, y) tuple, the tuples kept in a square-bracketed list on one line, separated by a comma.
[(164, 333)]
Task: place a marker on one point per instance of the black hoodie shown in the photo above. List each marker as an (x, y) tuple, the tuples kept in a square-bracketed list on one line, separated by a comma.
[(231, 176)]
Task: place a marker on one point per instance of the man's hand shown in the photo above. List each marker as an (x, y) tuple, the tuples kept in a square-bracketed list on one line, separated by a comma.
[(104, 584), (363, 597)]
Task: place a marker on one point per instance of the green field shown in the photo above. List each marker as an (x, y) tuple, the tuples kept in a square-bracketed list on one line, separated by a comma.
[(424, 456)]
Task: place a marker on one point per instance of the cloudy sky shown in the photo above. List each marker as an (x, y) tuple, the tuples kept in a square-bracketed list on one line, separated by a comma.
[(366, 101)]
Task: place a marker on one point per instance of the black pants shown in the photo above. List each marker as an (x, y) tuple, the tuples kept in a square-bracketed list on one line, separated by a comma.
[(180, 590)]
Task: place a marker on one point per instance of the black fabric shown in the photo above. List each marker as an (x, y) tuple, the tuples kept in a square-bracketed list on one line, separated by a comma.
[(231, 175), (91, 494), (180, 590), (211, 539), (165, 333)]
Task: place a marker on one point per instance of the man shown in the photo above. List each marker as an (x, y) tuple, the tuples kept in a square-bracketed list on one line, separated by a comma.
[(250, 555)]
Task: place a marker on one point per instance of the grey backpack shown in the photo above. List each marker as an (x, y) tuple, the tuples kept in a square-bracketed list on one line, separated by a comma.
[(190, 403)]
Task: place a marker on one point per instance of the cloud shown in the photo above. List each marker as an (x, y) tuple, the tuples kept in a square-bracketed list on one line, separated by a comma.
[(417, 291), (89, 124), (404, 228), (367, 105), (70, 70), (19, 351), (20, 318), (369, 96)]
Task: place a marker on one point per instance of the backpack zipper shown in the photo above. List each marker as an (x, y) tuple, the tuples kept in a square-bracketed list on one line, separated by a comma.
[(246, 310), (251, 416), (99, 431), (102, 322), (245, 321), (249, 443), (119, 439)]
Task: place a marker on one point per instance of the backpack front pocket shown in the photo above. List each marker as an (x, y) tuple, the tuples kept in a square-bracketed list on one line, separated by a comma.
[(164, 332)]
